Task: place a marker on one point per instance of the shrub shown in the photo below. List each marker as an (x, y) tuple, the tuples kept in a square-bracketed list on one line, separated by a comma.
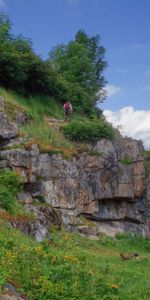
[(127, 160), (11, 180), (10, 186), (90, 131), (7, 199)]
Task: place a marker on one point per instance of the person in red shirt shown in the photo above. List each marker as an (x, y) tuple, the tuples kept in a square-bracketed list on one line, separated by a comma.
[(67, 109)]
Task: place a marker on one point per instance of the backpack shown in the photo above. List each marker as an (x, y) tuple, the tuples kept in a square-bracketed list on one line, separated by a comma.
[(67, 106)]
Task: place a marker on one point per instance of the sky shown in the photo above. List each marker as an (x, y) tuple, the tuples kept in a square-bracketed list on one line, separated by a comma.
[(123, 26)]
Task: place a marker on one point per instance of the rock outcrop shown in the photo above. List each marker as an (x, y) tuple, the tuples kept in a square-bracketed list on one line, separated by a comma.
[(106, 189)]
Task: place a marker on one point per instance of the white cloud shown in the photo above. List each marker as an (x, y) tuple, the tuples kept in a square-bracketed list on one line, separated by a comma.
[(111, 89), (133, 123)]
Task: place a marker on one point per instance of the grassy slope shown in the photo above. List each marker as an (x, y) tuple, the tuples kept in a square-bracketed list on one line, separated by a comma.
[(68, 267), (71, 267), (39, 108), (47, 133)]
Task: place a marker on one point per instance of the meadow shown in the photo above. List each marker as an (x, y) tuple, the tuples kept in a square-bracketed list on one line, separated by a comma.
[(71, 267)]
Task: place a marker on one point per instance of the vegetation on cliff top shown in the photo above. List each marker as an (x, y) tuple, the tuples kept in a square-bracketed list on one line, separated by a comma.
[(74, 70)]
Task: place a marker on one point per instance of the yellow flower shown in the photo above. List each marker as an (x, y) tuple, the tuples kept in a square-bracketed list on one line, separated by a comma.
[(54, 258), (114, 286)]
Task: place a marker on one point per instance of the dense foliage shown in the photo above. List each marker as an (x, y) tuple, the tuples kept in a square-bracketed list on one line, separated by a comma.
[(90, 131), (10, 186), (73, 71), (20, 68), (80, 66)]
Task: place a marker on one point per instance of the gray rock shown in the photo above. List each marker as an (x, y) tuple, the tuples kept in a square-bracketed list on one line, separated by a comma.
[(41, 233), (104, 147), (3, 164), (87, 230), (25, 198), (17, 157), (11, 293), (113, 228), (102, 187), (121, 211), (2, 103), (7, 129), (20, 118)]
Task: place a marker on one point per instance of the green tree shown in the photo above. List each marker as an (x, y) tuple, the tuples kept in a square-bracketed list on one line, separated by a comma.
[(5, 26), (80, 65), (21, 69)]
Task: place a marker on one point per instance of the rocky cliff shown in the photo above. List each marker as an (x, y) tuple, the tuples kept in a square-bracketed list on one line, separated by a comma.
[(100, 191)]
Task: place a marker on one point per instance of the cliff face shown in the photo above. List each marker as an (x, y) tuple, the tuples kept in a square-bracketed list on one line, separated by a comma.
[(100, 192)]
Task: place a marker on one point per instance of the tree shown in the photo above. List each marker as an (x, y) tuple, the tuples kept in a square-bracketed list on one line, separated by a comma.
[(21, 69), (80, 64), (5, 26)]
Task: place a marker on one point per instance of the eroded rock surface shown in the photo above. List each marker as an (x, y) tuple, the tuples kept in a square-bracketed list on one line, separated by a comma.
[(108, 187), (7, 129)]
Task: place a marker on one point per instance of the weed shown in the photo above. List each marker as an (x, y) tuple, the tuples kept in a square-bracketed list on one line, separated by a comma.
[(127, 160), (90, 131)]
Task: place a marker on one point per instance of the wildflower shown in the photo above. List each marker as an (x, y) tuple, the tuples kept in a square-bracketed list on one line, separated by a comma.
[(114, 286)]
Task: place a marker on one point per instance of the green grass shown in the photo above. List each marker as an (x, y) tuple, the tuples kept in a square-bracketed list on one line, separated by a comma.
[(127, 160), (70, 267), (38, 109), (88, 131), (10, 186)]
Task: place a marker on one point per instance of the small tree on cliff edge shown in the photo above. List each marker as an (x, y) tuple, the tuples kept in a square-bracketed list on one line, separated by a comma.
[(80, 65)]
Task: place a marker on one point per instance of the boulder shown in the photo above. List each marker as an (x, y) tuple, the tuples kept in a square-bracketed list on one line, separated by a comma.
[(10, 293), (20, 118), (7, 129), (2, 103), (25, 198)]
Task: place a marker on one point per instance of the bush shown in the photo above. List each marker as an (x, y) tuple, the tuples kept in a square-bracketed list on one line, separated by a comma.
[(11, 180), (10, 186), (88, 131), (127, 160), (7, 199)]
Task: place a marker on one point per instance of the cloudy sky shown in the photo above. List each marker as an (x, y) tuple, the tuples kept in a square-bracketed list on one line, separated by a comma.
[(123, 26)]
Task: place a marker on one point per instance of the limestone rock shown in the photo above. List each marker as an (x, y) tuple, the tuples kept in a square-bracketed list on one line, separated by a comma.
[(25, 198), (87, 230), (20, 118), (17, 158), (115, 227), (2, 103), (108, 187), (121, 211), (104, 147), (11, 293), (7, 129)]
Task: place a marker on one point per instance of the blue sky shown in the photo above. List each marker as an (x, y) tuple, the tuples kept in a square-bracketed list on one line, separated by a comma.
[(123, 26)]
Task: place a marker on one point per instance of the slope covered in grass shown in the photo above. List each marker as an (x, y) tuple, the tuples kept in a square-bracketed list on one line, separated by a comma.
[(72, 267), (58, 137), (37, 109)]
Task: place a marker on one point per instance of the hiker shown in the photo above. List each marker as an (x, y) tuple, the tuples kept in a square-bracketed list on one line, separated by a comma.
[(67, 109)]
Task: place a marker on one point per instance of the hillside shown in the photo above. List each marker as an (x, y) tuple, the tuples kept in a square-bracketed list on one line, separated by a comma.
[(68, 265), (74, 193), (72, 267)]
